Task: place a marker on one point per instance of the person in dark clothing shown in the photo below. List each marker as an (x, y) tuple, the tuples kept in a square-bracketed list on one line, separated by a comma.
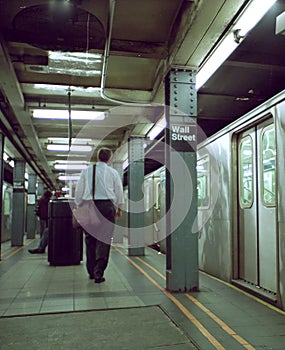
[(42, 212), (108, 200)]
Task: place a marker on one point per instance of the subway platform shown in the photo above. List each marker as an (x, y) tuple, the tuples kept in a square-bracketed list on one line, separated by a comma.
[(58, 307)]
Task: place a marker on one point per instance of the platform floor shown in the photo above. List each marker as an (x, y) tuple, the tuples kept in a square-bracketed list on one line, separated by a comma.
[(48, 307)]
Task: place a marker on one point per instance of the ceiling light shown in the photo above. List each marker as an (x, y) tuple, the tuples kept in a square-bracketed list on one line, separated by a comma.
[(65, 189), (64, 114), (65, 140), (157, 128), (76, 90), (221, 53), (70, 166), (70, 162), (125, 164), (251, 15), (65, 148), (280, 24), (69, 177)]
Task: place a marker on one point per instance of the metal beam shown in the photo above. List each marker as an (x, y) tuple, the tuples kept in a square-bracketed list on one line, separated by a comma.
[(12, 90)]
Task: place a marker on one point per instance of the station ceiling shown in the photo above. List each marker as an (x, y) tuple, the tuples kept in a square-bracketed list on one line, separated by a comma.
[(116, 56)]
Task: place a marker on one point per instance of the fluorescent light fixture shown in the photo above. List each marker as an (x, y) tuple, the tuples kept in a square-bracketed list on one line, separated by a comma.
[(71, 162), (252, 14), (65, 148), (125, 164), (70, 166), (65, 189), (248, 19), (65, 140), (8, 159), (63, 89), (69, 177), (157, 128), (5, 157), (64, 114), (221, 53)]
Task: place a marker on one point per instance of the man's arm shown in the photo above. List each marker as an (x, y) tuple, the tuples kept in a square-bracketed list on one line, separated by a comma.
[(79, 190), (118, 186)]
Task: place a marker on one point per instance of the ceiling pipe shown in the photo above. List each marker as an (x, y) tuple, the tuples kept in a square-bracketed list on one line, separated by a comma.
[(112, 4)]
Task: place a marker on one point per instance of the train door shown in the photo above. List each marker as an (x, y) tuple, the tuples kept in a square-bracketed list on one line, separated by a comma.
[(257, 206)]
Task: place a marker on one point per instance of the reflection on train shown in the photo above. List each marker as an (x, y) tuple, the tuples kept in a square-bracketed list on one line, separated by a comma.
[(7, 196), (241, 203)]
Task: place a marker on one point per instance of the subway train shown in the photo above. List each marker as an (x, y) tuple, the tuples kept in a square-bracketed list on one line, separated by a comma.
[(241, 203), (241, 189)]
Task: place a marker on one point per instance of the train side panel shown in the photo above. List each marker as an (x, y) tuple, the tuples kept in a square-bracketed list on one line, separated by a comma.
[(214, 216), (154, 187), (242, 228), (280, 144)]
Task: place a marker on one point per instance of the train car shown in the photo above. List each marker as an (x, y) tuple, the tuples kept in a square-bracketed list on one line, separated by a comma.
[(241, 207), (154, 212), (154, 202)]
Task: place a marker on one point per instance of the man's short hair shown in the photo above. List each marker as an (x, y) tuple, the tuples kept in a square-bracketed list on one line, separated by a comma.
[(104, 154)]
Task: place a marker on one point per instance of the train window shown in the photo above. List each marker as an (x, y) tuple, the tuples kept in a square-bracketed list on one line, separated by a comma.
[(203, 182), (157, 196), (147, 191), (246, 172), (268, 158)]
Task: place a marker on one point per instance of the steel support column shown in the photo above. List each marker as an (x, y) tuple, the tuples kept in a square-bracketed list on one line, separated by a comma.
[(136, 196), (181, 188), (18, 217), (31, 203), (39, 193), (118, 236)]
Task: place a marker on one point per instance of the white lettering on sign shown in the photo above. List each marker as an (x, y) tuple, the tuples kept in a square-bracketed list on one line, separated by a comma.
[(182, 133)]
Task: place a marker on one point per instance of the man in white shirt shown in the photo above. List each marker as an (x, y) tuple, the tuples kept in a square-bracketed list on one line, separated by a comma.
[(108, 199)]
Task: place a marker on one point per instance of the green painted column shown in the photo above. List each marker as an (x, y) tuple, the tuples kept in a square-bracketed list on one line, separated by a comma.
[(18, 210), (181, 183), (39, 192), (136, 196), (118, 236)]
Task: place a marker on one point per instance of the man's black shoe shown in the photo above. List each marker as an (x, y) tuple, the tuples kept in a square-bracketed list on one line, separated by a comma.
[(99, 280), (36, 251)]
